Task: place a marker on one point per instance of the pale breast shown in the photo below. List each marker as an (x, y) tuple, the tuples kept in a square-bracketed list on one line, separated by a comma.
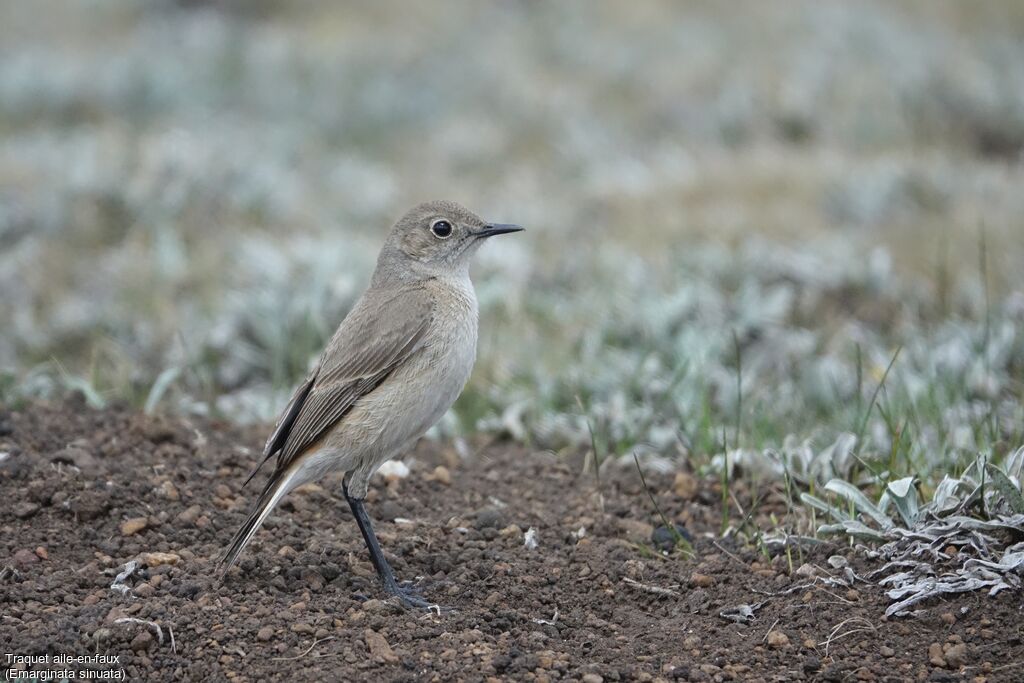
[(417, 394)]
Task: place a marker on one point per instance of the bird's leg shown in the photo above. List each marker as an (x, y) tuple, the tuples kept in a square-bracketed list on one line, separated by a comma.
[(407, 596)]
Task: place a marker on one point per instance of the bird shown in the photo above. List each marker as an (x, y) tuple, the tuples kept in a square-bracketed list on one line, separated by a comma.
[(395, 365)]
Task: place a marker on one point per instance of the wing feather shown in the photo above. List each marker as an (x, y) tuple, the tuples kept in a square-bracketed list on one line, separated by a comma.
[(377, 336)]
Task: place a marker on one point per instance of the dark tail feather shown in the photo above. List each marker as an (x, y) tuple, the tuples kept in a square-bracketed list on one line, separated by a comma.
[(272, 494)]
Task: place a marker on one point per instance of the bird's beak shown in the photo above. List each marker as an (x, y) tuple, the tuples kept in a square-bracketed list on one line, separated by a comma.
[(492, 229)]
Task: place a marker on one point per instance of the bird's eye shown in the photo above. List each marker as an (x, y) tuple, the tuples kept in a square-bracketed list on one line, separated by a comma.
[(441, 228)]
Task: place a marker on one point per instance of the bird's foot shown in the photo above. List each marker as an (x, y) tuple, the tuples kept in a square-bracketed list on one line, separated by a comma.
[(410, 597)]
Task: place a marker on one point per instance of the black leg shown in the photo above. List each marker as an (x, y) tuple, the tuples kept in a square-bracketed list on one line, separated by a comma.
[(405, 595)]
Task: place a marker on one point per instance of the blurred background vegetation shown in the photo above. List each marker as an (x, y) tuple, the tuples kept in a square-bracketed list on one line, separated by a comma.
[(739, 214)]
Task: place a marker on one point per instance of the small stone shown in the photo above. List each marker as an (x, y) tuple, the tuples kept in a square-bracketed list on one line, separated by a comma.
[(374, 605), (79, 457), (143, 641), (441, 475), (886, 651), (42, 553), (312, 579), (511, 531), (24, 558), (777, 639), (170, 491), (811, 663), (685, 485), (666, 539), (704, 581), (265, 634), (935, 655), (379, 647), (157, 559), (90, 505), (636, 530), (302, 627), (948, 618), (955, 655), (190, 514), (489, 517), (132, 526), (222, 491), (144, 590), (592, 678), (853, 595), (25, 510)]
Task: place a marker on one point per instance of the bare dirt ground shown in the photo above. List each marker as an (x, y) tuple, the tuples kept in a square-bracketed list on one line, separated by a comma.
[(85, 492)]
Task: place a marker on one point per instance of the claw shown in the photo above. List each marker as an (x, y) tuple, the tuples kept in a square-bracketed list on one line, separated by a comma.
[(410, 597)]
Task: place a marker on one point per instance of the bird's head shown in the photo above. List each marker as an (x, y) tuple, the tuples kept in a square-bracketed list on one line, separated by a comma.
[(435, 239)]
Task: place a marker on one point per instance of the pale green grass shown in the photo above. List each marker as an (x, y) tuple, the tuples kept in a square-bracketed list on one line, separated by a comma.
[(735, 217)]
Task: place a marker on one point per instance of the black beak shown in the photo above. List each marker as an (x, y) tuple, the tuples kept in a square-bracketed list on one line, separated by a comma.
[(493, 229)]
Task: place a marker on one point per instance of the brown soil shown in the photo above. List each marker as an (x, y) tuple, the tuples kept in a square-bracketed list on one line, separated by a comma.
[(87, 491)]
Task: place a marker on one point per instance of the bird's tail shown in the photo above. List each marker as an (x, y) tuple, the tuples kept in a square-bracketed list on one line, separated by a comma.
[(273, 492)]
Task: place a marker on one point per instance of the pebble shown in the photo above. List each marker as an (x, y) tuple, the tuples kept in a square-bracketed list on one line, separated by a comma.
[(142, 642), (379, 647), (25, 557), (170, 491), (90, 505), (955, 655), (79, 457), (190, 514), (132, 526), (886, 651), (948, 618), (157, 559), (265, 634), (935, 655), (25, 510), (592, 678), (705, 581), (441, 475), (42, 553), (777, 639), (489, 517), (636, 530), (665, 538), (685, 485)]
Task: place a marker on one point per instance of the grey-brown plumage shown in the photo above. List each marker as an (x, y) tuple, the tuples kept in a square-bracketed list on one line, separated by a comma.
[(394, 367)]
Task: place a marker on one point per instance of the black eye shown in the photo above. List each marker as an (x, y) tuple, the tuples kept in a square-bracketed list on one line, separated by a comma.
[(441, 229)]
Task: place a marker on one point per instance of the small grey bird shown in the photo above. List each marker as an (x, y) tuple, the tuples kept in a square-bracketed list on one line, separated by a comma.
[(397, 363)]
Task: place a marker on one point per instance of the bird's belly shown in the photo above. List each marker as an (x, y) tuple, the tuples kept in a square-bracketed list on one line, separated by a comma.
[(412, 399)]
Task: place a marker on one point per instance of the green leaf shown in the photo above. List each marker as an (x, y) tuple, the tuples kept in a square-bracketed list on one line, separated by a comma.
[(163, 382), (822, 506), (904, 497), (859, 500), (863, 531), (1006, 487)]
